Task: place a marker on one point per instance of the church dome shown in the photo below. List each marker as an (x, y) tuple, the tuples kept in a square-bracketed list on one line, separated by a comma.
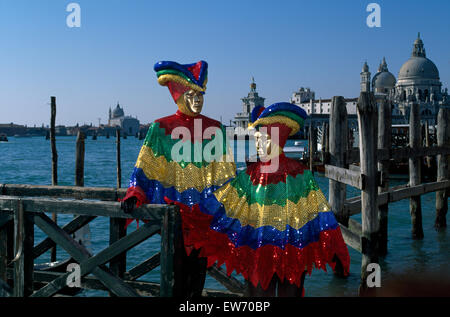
[(118, 112), (418, 66), (383, 79)]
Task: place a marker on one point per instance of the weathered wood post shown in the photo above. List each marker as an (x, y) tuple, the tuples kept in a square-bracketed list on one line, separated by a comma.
[(23, 252), (5, 240), (322, 141), (171, 242), (309, 145), (28, 250), (415, 143), (350, 139), (443, 139), (384, 142), (367, 123), (247, 146), (428, 144), (312, 147), (117, 225), (326, 144), (119, 168), (82, 235), (53, 142), (338, 147), (54, 160), (79, 159), (3, 251)]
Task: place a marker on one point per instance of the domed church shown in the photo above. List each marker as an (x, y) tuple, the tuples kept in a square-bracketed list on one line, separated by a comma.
[(127, 124), (418, 81), (384, 80)]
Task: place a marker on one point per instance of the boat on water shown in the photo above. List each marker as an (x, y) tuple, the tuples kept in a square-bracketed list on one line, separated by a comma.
[(295, 151), (3, 137), (23, 136)]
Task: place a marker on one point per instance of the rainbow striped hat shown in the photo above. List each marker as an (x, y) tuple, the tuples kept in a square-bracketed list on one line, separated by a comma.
[(281, 113), (180, 78)]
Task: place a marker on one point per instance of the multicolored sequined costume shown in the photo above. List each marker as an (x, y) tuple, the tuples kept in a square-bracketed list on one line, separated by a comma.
[(261, 224), (156, 173)]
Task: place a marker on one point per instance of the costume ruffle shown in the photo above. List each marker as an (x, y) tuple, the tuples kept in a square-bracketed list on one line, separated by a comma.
[(265, 225), (258, 265)]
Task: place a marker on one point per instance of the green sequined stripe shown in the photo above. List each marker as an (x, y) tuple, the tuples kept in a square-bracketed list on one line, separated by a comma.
[(293, 189), (162, 144), (174, 72), (178, 73), (290, 115)]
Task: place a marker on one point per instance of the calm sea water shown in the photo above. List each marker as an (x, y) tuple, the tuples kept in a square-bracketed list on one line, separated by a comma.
[(28, 161)]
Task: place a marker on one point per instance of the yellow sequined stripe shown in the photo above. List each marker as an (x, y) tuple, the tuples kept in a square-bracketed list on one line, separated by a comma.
[(295, 127), (164, 79), (172, 174), (294, 214)]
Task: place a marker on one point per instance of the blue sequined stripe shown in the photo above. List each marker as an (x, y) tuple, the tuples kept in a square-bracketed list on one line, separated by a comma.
[(258, 237), (156, 192)]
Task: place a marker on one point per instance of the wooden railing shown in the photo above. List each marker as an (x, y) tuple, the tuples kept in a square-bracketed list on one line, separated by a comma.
[(22, 207)]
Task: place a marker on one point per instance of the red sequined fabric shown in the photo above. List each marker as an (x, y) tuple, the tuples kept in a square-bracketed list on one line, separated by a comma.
[(259, 266)]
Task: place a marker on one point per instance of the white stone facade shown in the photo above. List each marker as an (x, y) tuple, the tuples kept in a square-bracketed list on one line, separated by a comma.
[(304, 98)]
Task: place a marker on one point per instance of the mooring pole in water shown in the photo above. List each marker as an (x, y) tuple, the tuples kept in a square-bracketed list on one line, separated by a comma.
[(83, 234), (119, 169), (79, 159), (326, 144), (384, 142), (443, 139), (338, 146), (368, 126), (117, 225), (312, 146), (54, 161), (429, 159), (322, 142), (415, 143)]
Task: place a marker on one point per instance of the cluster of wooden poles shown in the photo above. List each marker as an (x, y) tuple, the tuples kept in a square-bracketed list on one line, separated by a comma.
[(367, 169)]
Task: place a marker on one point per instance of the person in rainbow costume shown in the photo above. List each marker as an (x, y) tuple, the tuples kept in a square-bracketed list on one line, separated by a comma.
[(271, 223), (161, 174)]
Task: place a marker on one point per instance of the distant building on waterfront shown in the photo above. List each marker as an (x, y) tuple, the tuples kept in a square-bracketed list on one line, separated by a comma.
[(12, 129), (418, 81), (127, 124), (60, 130), (305, 98), (252, 100)]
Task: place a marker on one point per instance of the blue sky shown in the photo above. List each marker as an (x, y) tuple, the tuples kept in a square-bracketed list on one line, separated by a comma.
[(283, 44)]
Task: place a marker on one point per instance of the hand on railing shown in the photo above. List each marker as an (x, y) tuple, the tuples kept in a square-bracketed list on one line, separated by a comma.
[(128, 205)]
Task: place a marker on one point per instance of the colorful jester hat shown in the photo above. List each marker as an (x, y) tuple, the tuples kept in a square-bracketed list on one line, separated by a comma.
[(287, 117), (181, 78)]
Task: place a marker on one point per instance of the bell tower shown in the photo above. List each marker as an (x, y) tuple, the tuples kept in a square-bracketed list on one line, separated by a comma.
[(365, 78)]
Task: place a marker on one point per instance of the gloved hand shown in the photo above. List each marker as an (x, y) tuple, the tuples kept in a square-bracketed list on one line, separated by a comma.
[(128, 205)]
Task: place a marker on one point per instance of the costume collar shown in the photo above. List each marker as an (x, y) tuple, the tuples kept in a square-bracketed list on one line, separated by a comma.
[(186, 116)]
